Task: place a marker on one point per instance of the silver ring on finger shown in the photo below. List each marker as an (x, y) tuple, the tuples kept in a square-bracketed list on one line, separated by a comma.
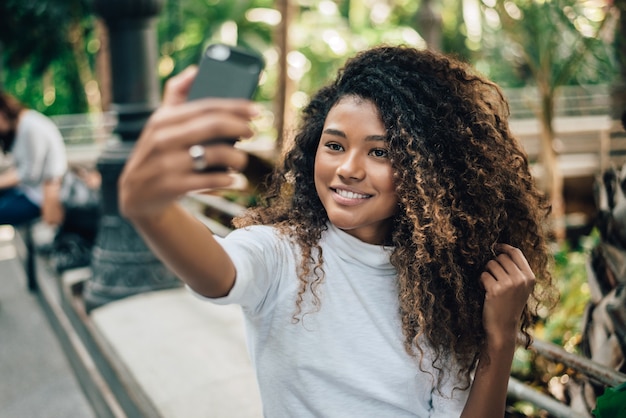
[(198, 160)]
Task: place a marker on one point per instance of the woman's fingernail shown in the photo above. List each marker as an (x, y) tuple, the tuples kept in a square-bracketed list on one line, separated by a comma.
[(239, 181), (255, 110)]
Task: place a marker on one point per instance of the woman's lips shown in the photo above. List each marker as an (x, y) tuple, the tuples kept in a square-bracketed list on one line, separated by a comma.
[(348, 197)]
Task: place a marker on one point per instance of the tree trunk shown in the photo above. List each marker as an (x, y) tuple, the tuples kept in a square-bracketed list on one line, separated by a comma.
[(283, 111), (103, 65), (552, 176), (618, 88), (429, 24), (87, 79)]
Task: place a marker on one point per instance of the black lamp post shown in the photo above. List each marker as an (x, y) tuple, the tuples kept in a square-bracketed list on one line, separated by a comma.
[(122, 263)]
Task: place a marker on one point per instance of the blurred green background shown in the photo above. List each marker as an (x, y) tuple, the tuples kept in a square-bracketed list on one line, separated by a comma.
[(54, 56)]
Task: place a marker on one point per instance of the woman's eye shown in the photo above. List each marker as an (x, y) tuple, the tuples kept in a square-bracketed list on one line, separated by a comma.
[(334, 146), (379, 152)]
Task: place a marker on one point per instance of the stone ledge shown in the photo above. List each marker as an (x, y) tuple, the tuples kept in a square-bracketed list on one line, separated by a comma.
[(188, 356)]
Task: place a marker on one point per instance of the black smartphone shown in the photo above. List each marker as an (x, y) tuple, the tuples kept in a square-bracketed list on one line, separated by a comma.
[(227, 71)]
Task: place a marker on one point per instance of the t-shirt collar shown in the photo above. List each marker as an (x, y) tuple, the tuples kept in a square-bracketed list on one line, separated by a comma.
[(353, 249)]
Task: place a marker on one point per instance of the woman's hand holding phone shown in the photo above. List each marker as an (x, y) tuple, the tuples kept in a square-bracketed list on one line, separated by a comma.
[(187, 144), (161, 168)]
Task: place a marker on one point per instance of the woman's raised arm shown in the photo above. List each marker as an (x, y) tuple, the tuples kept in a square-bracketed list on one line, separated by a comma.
[(508, 281), (163, 167)]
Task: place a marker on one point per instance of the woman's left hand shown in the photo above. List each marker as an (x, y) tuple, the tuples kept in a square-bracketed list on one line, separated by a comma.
[(508, 281)]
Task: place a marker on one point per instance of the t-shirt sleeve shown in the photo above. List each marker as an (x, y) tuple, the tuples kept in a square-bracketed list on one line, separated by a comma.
[(40, 151), (256, 253), (29, 158)]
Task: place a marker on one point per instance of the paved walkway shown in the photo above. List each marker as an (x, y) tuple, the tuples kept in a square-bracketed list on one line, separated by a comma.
[(183, 357), (36, 380)]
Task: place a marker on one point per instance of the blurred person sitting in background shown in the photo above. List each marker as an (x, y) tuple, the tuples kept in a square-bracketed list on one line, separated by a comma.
[(30, 185)]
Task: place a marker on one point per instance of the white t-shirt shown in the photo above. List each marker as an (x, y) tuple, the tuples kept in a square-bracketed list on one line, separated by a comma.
[(345, 360), (38, 153)]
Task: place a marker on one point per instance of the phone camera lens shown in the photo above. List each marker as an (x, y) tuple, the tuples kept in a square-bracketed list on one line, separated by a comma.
[(219, 52)]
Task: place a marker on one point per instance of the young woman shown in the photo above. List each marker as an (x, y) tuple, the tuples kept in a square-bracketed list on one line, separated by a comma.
[(389, 270), (30, 187)]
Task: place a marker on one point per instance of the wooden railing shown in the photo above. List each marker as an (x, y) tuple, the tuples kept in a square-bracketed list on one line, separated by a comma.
[(583, 143), (85, 135), (585, 100), (587, 141)]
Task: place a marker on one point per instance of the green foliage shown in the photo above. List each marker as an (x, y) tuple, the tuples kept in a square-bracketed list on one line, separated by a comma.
[(562, 325), (561, 42), (60, 92), (186, 27), (612, 403), (323, 33), (455, 38), (32, 32), (40, 68)]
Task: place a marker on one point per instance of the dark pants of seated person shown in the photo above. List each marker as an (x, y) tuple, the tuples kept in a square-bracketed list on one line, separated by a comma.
[(16, 208)]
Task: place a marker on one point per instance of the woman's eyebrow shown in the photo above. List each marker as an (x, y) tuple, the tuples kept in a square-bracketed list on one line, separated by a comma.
[(336, 132)]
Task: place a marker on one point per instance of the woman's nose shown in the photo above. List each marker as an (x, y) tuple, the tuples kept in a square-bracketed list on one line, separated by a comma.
[(351, 167)]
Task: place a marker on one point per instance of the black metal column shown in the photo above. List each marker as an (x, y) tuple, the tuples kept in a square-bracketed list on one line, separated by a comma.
[(122, 263)]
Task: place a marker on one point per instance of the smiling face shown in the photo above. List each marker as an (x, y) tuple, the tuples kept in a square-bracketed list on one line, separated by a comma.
[(353, 174)]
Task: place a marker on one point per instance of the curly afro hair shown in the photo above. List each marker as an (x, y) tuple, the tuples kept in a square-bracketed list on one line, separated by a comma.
[(463, 185)]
